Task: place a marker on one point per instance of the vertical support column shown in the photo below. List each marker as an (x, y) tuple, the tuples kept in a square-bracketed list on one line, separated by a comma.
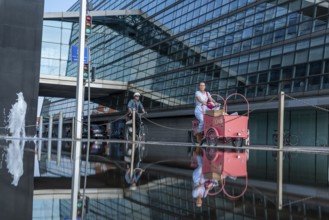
[(79, 112), (50, 136), (40, 136), (133, 146), (60, 135), (280, 153), (72, 137)]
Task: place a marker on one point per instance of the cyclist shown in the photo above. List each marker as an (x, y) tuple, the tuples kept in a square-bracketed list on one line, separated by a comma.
[(203, 102), (136, 104)]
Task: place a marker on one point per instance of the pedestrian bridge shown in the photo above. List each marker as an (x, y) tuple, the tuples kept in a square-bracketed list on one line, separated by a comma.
[(65, 86)]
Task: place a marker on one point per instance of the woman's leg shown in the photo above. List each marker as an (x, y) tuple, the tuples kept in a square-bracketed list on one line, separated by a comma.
[(199, 116)]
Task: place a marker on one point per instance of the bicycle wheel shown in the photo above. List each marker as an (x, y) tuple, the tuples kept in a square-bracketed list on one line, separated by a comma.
[(292, 140), (212, 141), (142, 148), (128, 137)]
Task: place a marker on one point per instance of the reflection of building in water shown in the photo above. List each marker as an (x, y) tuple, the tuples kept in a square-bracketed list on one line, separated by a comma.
[(167, 196)]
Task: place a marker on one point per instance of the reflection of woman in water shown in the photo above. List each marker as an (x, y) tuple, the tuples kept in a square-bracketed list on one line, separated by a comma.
[(201, 186)]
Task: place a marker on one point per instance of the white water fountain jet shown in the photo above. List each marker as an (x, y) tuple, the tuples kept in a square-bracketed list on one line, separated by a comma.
[(16, 127)]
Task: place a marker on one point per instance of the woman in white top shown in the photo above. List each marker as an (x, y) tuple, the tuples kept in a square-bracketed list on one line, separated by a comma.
[(201, 101)]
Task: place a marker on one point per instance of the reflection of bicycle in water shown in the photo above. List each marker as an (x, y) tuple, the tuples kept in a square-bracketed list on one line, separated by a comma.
[(140, 149), (288, 138)]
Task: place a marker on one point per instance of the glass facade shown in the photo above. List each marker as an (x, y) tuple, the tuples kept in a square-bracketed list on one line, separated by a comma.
[(256, 48)]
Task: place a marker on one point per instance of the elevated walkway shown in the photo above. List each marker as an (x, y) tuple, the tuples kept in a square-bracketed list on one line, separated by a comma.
[(65, 87)]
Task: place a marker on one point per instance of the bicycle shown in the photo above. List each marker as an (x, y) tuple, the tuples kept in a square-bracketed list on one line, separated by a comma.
[(140, 148), (288, 138)]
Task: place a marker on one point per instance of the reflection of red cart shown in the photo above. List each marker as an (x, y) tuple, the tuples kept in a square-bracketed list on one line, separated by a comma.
[(220, 128)]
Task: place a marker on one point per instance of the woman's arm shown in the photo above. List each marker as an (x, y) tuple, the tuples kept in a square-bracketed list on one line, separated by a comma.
[(199, 100), (213, 100)]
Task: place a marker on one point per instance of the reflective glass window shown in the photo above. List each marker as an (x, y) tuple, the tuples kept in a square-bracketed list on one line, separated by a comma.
[(316, 53), (305, 28), (299, 85), (288, 59), (308, 13), (253, 66), (326, 51), (301, 56), (51, 34), (315, 68), (287, 73), (303, 44), (49, 66), (280, 22), (301, 70), (314, 83), (317, 41), (281, 10), (65, 52), (326, 67), (275, 75), (66, 36), (50, 50), (325, 82), (294, 5), (263, 64), (262, 78), (275, 61), (288, 48), (267, 38), (320, 24)]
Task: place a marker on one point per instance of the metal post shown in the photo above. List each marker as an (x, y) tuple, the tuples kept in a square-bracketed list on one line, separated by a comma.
[(280, 153), (79, 109), (60, 135), (72, 137), (50, 136), (40, 136), (87, 153), (133, 146)]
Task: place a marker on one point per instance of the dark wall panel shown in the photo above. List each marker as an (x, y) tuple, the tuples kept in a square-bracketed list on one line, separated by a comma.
[(20, 51)]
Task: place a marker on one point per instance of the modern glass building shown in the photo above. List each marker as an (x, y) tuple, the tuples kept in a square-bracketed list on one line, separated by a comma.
[(256, 48)]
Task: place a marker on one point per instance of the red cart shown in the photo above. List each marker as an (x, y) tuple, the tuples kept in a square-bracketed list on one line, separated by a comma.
[(225, 129)]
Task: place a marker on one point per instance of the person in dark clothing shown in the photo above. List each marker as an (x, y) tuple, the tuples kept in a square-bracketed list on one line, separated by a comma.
[(135, 104)]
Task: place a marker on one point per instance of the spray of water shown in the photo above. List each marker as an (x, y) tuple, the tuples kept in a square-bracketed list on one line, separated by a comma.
[(16, 127)]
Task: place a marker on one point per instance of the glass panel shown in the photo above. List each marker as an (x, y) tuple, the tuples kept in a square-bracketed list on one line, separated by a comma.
[(315, 68), (65, 52), (51, 34), (263, 64), (301, 70), (63, 68), (301, 56), (288, 59), (262, 77), (286, 86), (49, 66), (314, 83), (275, 75), (316, 53), (287, 73), (325, 82), (66, 36), (299, 85), (50, 50)]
